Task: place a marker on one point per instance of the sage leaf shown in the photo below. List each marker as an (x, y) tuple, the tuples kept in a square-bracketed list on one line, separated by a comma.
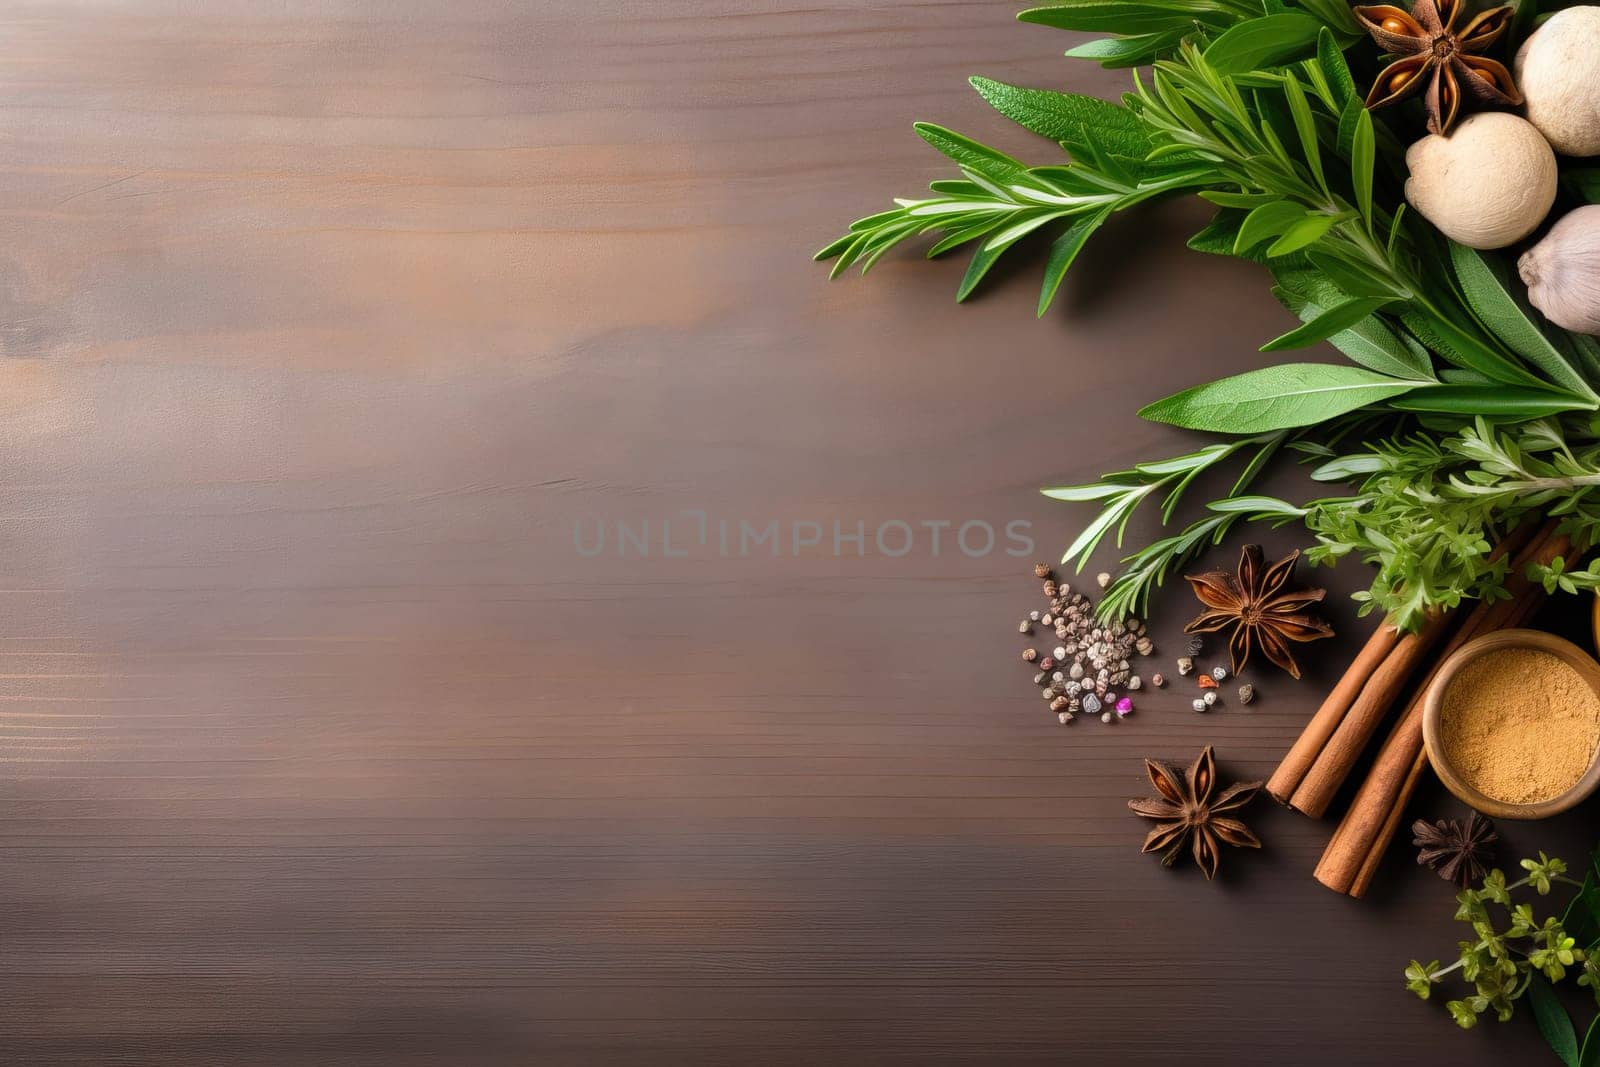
[(980, 159), (1554, 1023), (1463, 349), (1505, 402), (1335, 320), (1260, 43), (1489, 294), (1369, 343), (1083, 125), (1064, 250), (1275, 398), (1221, 233)]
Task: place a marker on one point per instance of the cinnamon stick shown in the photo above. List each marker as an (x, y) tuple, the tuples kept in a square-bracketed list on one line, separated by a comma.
[(1520, 616), (1374, 816), (1342, 735), (1340, 755), (1391, 825), (1308, 746)]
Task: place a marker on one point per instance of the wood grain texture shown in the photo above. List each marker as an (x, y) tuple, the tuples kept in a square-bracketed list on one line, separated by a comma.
[(323, 327)]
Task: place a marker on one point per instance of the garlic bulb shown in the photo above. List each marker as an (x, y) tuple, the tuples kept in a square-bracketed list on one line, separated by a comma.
[(1488, 185), (1558, 70), (1563, 272)]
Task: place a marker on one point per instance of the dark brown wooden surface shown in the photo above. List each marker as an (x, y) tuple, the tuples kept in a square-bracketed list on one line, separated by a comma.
[(323, 325)]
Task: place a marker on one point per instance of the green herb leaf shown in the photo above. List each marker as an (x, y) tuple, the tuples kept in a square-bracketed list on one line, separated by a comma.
[(1465, 349), (1348, 118), (1369, 343), (1486, 284), (1305, 127), (1268, 220), (1363, 151), (1221, 234), (1078, 123), (981, 159), (1553, 1021), (1505, 402), (1336, 70), (1353, 276), (1120, 16), (1115, 52), (1258, 44), (1275, 398), (1064, 250), (1247, 201), (1335, 320), (982, 260), (1305, 232), (1336, 15)]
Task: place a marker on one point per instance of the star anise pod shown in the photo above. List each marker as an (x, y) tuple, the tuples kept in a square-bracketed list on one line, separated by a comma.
[(1190, 811), (1459, 851), (1263, 611), (1436, 59)]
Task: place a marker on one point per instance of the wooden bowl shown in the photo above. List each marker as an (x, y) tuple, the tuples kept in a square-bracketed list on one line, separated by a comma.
[(1432, 712)]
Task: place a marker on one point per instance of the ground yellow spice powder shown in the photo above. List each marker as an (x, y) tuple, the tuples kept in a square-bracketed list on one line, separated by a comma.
[(1520, 725)]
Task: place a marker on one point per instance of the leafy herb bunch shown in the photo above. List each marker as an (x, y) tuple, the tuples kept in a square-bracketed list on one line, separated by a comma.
[(1470, 409), (1520, 955)]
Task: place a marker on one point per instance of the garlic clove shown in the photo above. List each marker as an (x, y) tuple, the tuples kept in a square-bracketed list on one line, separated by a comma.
[(1558, 71), (1488, 185), (1562, 272)]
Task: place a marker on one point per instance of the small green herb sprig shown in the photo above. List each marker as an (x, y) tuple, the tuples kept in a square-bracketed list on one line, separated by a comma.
[(1512, 953), (1427, 508)]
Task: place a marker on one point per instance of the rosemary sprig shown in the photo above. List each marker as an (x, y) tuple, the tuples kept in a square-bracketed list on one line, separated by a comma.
[(1000, 200), (1122, 493)]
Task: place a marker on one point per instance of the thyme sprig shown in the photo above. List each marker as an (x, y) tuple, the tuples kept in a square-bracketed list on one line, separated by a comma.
[(1512, 953)]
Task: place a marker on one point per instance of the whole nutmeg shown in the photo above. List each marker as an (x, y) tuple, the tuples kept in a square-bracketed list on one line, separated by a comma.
[(1558, 70), (1488, 185), (1562, 271)]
